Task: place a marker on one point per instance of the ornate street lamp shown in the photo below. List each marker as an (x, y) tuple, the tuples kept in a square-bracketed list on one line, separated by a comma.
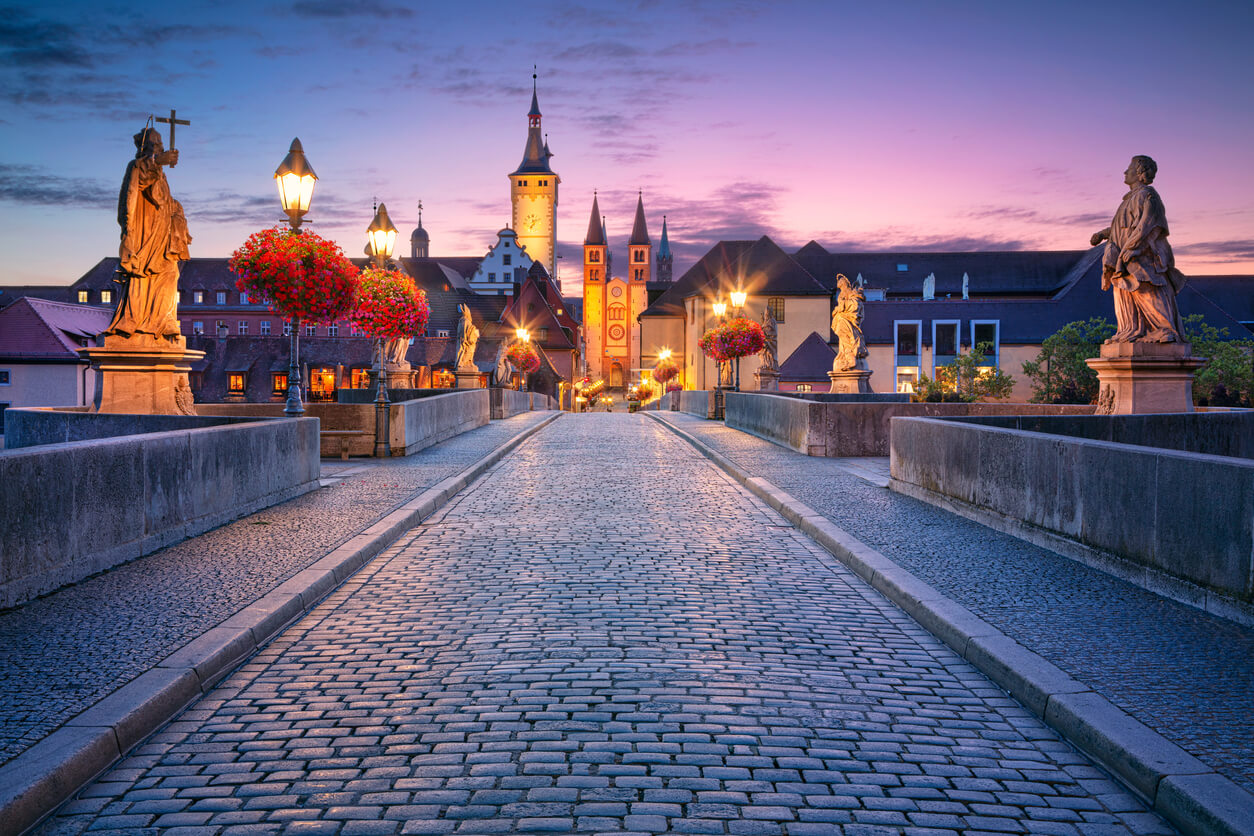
[(738, 303), (295, 178), (524, 335), (381, 240)]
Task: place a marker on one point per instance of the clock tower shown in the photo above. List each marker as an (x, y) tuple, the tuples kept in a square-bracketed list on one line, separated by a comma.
[(533, 193)]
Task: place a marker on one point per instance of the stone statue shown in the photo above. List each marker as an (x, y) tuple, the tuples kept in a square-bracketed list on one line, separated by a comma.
[(847, 324), (725, 374), (500, 374), (1138, 265), (467, 339), (154, 240), (394, 350), (770, 351)]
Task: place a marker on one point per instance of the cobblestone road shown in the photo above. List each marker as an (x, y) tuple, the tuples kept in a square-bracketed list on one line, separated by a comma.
[(61, 653), (606, 634), (1183, 672)]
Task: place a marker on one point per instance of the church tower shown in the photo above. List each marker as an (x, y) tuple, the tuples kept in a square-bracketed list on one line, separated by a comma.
[(533, 193), (594, 279), (665, 261), (639, 269), (420, 241)]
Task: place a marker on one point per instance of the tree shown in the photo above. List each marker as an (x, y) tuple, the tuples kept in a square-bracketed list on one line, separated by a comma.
[(1059, 374), (1227, 379), (967, 378)]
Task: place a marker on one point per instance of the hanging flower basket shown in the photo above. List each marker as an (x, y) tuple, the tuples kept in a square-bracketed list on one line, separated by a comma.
[(739, 337), (300, 276), (523, 357), (709, 345), (389, 305), (665, 370)]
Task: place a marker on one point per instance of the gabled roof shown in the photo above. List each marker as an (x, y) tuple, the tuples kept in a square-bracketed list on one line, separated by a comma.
[(38, 328), (766, 269), (811, 360), (698, 278)]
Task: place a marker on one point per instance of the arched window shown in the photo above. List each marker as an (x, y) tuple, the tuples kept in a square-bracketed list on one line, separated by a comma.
[(617, 312)]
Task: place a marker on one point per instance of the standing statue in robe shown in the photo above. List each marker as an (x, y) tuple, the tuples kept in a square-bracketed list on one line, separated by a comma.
[(467, 338), (154, 240), (770, 350), (395, 350), (1138, 265), (847, 324), (500, 372)]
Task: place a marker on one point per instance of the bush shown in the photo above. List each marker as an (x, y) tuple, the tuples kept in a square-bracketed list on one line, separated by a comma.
[(965, 379), (1059, 374)]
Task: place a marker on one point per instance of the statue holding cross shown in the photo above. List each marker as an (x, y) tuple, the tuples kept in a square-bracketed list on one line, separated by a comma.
[(154, 240)]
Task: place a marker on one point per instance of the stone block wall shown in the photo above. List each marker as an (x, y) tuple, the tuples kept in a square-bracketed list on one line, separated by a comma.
[(77, 508), (1188, 515)]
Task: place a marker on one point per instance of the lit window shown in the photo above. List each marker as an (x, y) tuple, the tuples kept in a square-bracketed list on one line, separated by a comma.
[(359, 379), (264, 328), (907, 377), (278, 383), (776, 306), (311, 330), (106, 297), (906, 348), (82, 297), (243, 327), (221, 297), (198, 297), (333, 330), (198, 327), (235, 383), (804, 387)]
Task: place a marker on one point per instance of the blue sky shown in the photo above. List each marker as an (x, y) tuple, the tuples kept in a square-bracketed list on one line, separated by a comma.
[(895, 125)]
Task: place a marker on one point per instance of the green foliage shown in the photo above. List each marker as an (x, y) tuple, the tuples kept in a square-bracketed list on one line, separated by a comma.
[(965, 379), (1227, 379), (1059, 374)]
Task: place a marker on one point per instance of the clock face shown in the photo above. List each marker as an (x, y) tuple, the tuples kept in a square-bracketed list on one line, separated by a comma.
[(531, 223)]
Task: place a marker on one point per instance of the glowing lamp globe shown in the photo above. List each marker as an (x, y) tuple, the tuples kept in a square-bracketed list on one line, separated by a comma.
[(295, 178), (382, 234)]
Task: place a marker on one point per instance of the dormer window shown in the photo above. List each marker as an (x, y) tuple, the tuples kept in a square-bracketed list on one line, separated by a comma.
[(901, 268), (198, 297)]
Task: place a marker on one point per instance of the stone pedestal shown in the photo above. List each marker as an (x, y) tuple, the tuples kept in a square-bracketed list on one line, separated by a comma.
[(400, 376), (142, 375), (768, 380), (1143, 378), (467, 380), (850, 382)]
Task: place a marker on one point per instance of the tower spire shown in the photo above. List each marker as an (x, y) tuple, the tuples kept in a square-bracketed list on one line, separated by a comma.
[(639, 229), (596, 232)]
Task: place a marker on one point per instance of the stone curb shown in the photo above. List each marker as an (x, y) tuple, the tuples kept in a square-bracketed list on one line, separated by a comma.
[(1181, 788), (36, 782)]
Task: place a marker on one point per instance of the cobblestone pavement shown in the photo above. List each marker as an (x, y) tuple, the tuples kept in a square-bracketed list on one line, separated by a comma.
[(61, 653), (606, 634), (1181, 671)]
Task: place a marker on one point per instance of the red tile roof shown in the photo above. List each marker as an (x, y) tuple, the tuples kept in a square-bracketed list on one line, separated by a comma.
[(37, 328)]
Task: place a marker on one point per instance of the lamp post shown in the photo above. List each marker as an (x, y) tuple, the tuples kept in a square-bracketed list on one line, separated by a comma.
[(738, 304), (381, 240), (295, 178), (720, 311), (524, 335)]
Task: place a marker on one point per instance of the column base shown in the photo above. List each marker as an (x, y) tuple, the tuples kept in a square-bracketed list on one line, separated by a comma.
[(850, 382), (467, 380), (768, 380), (1145, 378)]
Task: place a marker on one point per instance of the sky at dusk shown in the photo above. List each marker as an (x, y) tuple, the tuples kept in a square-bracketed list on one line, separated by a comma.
[(864, 126)]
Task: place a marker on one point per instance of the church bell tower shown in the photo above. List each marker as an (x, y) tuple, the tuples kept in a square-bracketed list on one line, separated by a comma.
[(533, 193)]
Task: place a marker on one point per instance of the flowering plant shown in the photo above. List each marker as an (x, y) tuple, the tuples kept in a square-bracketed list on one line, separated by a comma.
[(643, 391), (523, 357), (665, 370), (708, 343), (739, 337), (300, 276), (389, 305), (674, 387)]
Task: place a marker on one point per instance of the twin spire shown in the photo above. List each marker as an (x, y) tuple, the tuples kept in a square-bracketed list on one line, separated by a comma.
[(639, 229)]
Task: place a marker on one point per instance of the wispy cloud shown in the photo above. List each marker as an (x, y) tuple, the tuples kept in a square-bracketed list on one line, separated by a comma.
[(27, 41), (35, 186), (1239, 250), (350, 9)]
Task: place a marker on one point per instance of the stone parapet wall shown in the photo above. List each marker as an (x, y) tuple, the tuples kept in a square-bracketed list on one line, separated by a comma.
[(1188, 515), (55, 425), (853, 428), (77, 508), (699, 402)]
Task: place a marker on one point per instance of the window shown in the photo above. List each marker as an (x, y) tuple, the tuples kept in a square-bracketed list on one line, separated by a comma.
[(220, 328), (106, 297), (804, 387), (221, 297), (311, 330), (775, 304), (333, 330), (522, 182), (901, 268), (506, 243), (906, 351), (594, 257), (944, 339), (492, 277), (4, 377), (359, 379), (542, 335), (637, 274), (617, 312), (82, 297), (198, 297), (278, 383), (264, 328), (243, 298), (198, 327), (235, 383), (287, 329), (988, 331), (242, 328), (507, 258)]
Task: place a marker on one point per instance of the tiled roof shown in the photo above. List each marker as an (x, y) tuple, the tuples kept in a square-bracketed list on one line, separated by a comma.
[(811, 360), (721, 258), (38, 328), (1028, 272)]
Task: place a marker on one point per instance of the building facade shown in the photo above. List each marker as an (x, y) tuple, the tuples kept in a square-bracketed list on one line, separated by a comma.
[(533, 194), (611, 304)]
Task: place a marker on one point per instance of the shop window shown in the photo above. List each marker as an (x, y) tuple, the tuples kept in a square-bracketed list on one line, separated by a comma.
[(359, 379), (322, 384)]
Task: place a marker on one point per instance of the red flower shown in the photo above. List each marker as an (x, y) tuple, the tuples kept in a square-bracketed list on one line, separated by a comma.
[(300, 276), (523, 357)]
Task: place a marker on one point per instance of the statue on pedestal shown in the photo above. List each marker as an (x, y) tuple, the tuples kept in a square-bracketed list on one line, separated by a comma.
[(1138, 265), (847, 319), (770, 350), (500, 372), (467, 339), (154, 240)]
